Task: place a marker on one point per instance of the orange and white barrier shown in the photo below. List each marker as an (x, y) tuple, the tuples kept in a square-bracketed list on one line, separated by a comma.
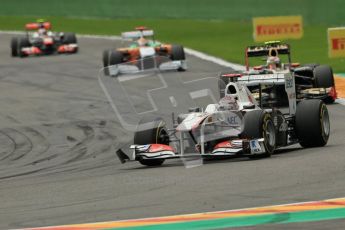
[(277, 28)]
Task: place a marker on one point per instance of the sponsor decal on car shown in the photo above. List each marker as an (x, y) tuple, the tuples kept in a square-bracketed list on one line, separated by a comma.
[(255, 147), (234, 119)]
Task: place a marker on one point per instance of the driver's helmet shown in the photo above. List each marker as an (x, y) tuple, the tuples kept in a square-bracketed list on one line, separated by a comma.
[(142, 41), (229, 102), (273, 61), (42, 31)]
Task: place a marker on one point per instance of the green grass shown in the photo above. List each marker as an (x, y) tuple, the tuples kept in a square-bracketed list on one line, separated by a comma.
[(328, 12), (226, 39)]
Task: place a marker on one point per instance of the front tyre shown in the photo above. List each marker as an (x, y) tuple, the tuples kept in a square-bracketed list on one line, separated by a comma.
[(259, 124), (177, 54), (154, 133), (312, 123), (23, 42), (115, 57), (105, 60), (14, 47)]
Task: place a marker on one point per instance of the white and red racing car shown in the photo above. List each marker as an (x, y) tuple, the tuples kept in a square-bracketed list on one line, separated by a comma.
[(144, 52), (237, 125)]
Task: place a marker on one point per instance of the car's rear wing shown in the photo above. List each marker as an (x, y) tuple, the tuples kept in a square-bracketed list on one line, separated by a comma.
[(137, 34), (263, 50), (36, 26)]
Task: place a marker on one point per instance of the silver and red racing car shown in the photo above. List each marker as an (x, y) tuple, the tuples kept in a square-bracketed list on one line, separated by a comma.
[(40, 40)]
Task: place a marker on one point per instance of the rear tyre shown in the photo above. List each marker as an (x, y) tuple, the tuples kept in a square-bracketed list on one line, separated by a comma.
[(323, 76), (23, 42), (14, 47), (312, 123), (259, 124), (155, 133), (177, 54)]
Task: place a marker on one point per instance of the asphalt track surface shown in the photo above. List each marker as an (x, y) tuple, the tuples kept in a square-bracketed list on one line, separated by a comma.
[(58, 136)]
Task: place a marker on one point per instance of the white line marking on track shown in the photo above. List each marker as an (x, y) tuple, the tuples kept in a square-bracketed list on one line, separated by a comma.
[(213, 59)]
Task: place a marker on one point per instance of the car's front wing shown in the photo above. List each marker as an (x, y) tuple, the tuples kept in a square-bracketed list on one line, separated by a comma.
[(226, 148)]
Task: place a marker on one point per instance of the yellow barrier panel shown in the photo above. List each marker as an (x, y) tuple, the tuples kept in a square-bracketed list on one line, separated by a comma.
[(277, 28), (336, 42)]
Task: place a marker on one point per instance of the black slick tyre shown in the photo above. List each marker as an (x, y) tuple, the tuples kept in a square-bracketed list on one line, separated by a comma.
[(105, 57), (115, 57), (312, 123), (14, 47), (177, 54), (105, 60), (154, 133), (323, 78), (259, 124), (23, 42), (69, 38)]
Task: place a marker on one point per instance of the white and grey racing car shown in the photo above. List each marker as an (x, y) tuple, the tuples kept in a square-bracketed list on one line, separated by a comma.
[(236, 125)]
